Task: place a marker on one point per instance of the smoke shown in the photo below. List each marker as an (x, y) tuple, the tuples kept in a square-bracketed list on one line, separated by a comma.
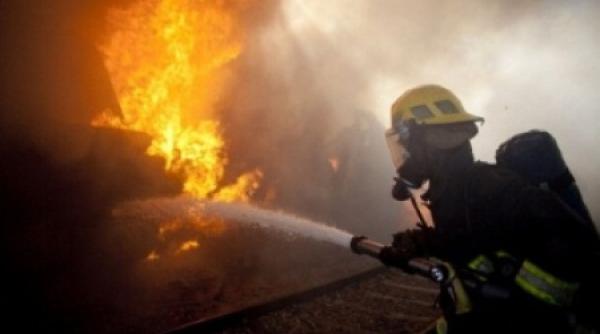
[(293, 114), (308, 107), (520, 64), (62, 177), (59, 178)]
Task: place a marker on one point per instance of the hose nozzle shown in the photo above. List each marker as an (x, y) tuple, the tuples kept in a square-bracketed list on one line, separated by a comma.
[(433, 270), (364, 245)]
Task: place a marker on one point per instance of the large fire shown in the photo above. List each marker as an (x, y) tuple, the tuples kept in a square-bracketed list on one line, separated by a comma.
[(167, 61)]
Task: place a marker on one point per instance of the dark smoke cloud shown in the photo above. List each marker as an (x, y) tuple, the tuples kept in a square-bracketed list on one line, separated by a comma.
[(53, 81), (59, 178)]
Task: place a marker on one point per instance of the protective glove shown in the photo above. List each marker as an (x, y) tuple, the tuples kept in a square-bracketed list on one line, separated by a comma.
[(394, 257), (400, 190), (416, 242)]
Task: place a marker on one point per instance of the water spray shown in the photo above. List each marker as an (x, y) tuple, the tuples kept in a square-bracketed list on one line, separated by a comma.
[(359, 244), (285, 222)]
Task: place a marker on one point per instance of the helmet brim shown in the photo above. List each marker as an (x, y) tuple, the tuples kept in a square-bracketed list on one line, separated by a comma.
[(462, 117)]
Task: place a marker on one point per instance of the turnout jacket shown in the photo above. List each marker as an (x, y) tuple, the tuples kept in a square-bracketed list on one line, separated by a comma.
[(492, 225)]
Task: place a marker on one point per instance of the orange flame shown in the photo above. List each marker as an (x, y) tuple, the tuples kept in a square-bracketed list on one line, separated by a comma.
[(153, 256), (188, 245), (166, 60), (335, 164)]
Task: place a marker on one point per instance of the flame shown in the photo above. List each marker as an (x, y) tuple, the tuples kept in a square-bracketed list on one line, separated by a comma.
[(335, 164), (167, 61), (194, 223), (188, 245), (152, 256)]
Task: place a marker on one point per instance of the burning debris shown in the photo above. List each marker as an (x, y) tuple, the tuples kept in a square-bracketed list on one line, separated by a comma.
[(167, 60)]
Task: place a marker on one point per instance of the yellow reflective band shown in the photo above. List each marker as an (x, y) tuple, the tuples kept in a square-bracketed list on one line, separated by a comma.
[(441, 326), (482, 264), (462, 302), (504, 255), (544, 285)]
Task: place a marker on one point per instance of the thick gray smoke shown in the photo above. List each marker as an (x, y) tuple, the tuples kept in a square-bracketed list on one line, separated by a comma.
[(294, 115), (520, 64)]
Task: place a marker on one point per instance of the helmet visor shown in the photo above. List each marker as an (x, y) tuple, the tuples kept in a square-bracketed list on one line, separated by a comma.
[(398, 152)]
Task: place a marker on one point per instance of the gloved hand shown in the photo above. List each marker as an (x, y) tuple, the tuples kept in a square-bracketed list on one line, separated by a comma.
[(394, 257), (400, 190), (415, 242)]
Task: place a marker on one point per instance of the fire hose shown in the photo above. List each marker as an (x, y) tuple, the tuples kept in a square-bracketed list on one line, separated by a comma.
[(435, 270)]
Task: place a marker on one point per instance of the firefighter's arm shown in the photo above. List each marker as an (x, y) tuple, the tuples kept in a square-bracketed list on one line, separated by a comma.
[(416, 242)]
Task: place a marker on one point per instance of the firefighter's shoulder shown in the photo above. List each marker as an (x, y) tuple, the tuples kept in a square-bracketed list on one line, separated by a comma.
[(491, 181)]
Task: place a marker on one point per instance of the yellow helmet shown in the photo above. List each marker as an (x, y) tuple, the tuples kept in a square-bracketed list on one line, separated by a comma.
[(430, 105)]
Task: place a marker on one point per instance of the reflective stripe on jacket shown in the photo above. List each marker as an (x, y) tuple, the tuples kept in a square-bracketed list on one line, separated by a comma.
[(545, 286), (532, 279)]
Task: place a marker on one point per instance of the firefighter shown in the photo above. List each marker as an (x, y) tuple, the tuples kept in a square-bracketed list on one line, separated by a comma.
[(521, 260)]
